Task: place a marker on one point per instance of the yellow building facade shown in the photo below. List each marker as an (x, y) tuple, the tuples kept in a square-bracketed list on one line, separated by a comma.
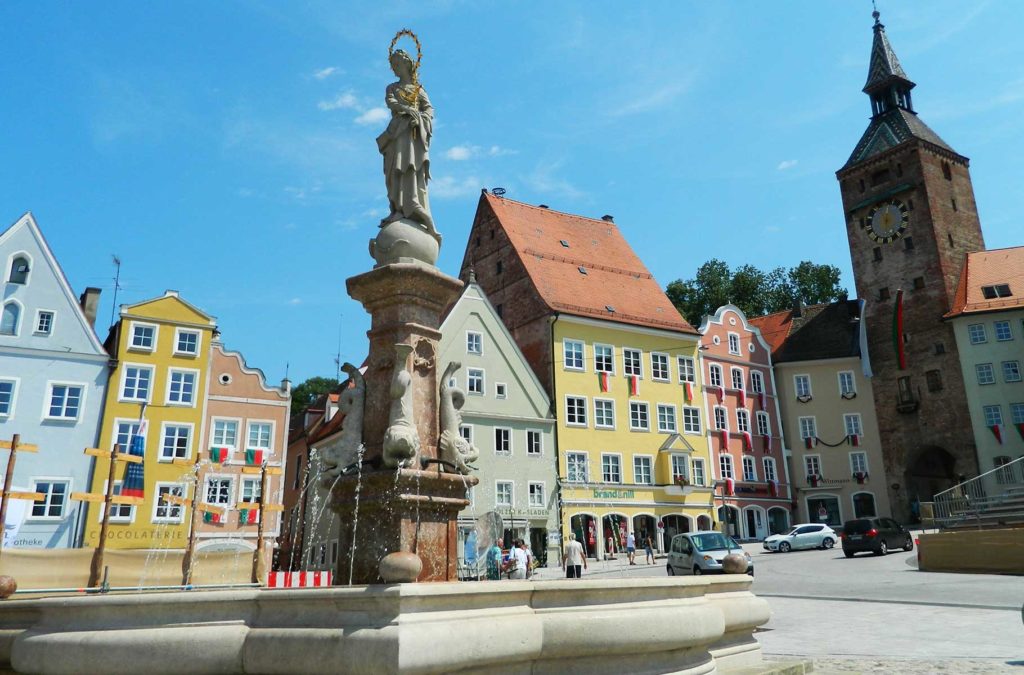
[(633, 455), (161, 352)]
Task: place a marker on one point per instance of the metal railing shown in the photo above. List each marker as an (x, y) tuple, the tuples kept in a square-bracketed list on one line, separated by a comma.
[(995, 494)]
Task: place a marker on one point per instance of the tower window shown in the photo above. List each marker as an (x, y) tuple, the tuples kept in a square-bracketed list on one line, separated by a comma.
[(878, 252), (478, 241), (918, 283), (952, 201), (934, 380), (879, 177), (883, 293), (899, 169), (949, 238), (862, 185), (499, 310), (940, 348), (908, 243), (947, 173), (497, 267)]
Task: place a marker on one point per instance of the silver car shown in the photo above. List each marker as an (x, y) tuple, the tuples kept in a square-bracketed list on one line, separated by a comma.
[(702, 553), (802, 536)]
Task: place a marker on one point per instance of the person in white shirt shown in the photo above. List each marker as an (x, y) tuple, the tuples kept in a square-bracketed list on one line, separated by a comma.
[(518, 560), (631, 548), (573, 558)]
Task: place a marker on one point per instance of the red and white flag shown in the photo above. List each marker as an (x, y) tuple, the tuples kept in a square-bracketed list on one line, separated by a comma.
[(767, 443), (748, 443), (743, 398), (603, 379), (997, 432), (725, 439), (688, 391), (634, 385)]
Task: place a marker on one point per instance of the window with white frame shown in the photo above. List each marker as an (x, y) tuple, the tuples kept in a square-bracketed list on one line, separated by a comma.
[(219, 490), (576, 411), (691, 419), (851, 421), (143, 337), (611, 468), (1017, 412), (604, 413), (642, 470), (1011, 371), (756, 382), (808, 427), (686, 370), (176, 442), (659, 367), (680, 468), (725, 466), (764, 427), (536, 495), (742, 420), (500, 390), (985, 372), (632, 363), (503, 493), (44, 322), (534, 443), (475, 380), (734, 343), (749, 468), (721, 418), (55, 498), (165, 511), (474, 342), (119, 513), (576, 467), (186, 342), (666, 418), (847, 385), (124, 432), (181, 387), (976, 333), (572, 354), (604, 358), (224, 434), (9, 318), (715, 375), (993, 415), (65, 401), (812, 464), (859, 462), (259, 435), (466, 431), (737, 377), (769, 468), (1003, 331), (6, 397), (19, 270), (252, 490), (697, 465), (802, 385), (639, 419), (137, 381), (502, 441)]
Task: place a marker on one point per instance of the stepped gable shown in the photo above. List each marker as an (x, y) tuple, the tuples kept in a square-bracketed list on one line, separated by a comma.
[(824, 331), (584, 267), (984, 269)]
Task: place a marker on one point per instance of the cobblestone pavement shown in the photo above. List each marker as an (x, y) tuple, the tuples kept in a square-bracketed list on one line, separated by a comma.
[(828, 666)]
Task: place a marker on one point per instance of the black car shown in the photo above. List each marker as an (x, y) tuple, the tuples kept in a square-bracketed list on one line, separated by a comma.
[(878, 535)]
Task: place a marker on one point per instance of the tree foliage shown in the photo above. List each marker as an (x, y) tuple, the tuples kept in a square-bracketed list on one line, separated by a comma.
[(753, 290), (304, 394)]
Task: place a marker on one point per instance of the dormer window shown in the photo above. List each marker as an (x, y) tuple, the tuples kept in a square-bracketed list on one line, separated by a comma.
[(564, 243), (996, 291), (19, 270)]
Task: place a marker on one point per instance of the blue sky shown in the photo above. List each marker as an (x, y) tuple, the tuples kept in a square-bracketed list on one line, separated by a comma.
[(226, 149)]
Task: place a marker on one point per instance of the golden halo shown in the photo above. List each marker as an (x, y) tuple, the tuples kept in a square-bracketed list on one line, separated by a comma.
[(419, 48)]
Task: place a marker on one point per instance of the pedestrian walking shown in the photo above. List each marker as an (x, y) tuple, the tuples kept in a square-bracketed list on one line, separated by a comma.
[(631, 548), (494, 561), (518, 561), (649, 550), (573, 558)]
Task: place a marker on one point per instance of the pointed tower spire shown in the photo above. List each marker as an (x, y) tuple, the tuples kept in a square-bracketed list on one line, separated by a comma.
[(887, 85)]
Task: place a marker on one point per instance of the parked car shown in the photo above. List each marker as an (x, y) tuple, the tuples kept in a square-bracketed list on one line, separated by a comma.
[(702, 553), (802, 536), (878, 535)]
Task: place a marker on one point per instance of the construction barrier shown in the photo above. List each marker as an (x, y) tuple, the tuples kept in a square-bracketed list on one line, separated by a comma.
[(299, 579)]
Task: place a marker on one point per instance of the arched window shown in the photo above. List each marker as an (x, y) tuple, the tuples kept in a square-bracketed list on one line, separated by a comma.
[(864, 505), (9, 319), (19, 270)]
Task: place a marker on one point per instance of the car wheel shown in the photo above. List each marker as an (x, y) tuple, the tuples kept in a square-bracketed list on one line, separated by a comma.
[(671, 572), (848, 554), (784, 547), (827, 543), (909, 546), (697, 571), (882, 548)]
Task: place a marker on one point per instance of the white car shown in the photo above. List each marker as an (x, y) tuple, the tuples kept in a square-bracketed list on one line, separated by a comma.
[(802, 536)]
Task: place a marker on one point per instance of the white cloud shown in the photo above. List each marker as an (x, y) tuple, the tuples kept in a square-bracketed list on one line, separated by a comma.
[(461, 153), (786, 164), (498, 151), (449, 187), (658, 98), (343, 101), (295, 301), (324, 73), (373, 116)]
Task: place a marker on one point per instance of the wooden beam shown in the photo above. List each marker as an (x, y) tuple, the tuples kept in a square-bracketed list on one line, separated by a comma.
[(119, 499), (176, 499), (88, 497), (273, 507), (183, 462), (251, 469), (97, 452), (131, 459), (32, 496), (22, 447)]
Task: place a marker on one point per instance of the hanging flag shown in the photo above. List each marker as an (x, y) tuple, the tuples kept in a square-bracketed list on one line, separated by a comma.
[(748, 443), (730, 487), (248, 516), (761, 401), (218, 455), (211, 517), (743, 398), (1020, 429), (253, 457), (603, 379), (634, 385), (720, 390), (767, 443), (773, 488), (997, 432), (688, 392), (810, 442), (725, 439), (854, 440), (897, 330), (133, 484)]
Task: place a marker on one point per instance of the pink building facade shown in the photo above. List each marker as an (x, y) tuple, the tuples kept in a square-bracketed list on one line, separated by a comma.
[(748, 452)]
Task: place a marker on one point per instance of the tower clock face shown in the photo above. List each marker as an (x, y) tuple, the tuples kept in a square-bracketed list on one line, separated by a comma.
[(887, 221)]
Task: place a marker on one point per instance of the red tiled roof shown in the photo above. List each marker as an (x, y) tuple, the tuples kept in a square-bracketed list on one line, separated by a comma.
[(774, 328), (597, 269), (990, 268)]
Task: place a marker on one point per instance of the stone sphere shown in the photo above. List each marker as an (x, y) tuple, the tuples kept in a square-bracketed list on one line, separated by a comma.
[(400, 567), (404, 241), (734, 563), (7, 586)]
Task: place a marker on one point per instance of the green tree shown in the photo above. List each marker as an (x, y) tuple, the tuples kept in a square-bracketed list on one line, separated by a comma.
[(815, 283), (304, 394)]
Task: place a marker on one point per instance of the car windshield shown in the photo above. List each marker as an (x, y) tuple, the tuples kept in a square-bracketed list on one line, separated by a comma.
[(791, 532), (711, 542), (857, 526)]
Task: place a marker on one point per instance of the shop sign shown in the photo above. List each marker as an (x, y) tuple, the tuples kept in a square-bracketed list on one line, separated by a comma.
[(613, 494), (522, 513)]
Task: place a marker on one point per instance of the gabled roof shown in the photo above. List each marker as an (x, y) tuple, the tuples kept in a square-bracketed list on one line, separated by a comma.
[(825, 331), (884, 66), (190, 312), (889, 130), (990, 268), (594, 270)]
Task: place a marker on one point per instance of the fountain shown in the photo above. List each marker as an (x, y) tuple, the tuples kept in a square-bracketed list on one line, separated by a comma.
[(397, 477)]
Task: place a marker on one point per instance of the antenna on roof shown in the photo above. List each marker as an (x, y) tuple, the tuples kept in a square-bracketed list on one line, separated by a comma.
[(117, 286), (498, 191), (337, 359)]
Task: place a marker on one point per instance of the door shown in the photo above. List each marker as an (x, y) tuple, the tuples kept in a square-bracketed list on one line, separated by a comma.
[(805, 536)]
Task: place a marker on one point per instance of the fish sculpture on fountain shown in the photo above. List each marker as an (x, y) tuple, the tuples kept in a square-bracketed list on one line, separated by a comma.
[(455, 451), (401, 440), (339, 458)]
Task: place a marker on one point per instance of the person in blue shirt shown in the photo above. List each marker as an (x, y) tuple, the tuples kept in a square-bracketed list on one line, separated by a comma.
[(494, 561)]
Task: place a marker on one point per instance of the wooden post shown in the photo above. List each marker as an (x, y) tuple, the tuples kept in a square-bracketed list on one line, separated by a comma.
[(257, 555), (96, 568), (190, 549), (8, 476)]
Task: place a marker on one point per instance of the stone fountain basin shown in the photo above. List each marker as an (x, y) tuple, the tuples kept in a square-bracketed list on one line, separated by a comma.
[(670, 625)]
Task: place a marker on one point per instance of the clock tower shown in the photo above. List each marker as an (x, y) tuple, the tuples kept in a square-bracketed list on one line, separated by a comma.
[(910, 220)]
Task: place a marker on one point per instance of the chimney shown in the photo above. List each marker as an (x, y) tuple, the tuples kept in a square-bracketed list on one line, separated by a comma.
[(608, 219), (90, 302), (798, 309)]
